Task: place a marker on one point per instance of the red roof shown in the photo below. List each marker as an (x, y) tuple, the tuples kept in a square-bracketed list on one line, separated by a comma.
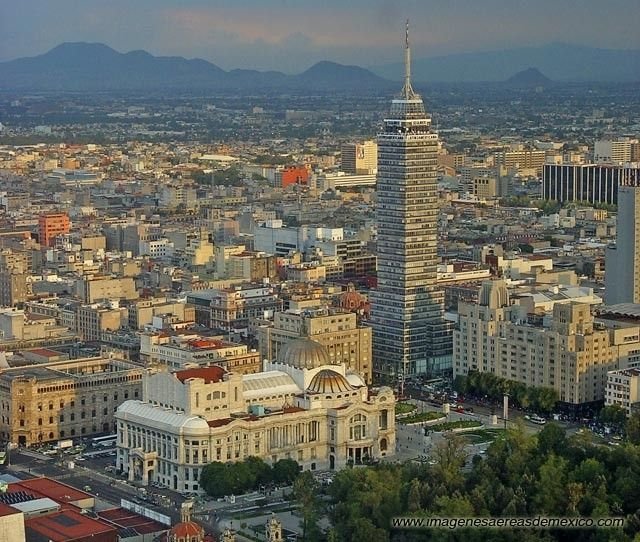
[(187, 530), (126, 518), (6, 510), (45, 352), (205, 343), (219, 423), (292, 409), (53, 489), (209, 374), (69, 525)]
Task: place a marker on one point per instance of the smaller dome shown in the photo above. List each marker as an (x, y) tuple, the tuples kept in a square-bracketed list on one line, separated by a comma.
[(351, 299), (355, 380), (328, 381), (196, 423), (304, 353), (186, 531)]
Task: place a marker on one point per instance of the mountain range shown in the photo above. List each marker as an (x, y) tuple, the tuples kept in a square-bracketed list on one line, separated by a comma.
[(558, 61), (95, 66)]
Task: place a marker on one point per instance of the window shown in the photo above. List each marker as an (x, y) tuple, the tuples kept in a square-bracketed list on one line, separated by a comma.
[(357, 427)]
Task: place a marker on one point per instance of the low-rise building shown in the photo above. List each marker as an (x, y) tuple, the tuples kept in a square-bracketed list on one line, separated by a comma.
[(231, 309), (623, 389), (51, 401), (178, 350)]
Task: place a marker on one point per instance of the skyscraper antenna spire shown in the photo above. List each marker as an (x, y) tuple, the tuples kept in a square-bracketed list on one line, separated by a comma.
[(407, 91)]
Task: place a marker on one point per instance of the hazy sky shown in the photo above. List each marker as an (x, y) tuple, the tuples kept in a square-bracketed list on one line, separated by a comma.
[(291, 35)]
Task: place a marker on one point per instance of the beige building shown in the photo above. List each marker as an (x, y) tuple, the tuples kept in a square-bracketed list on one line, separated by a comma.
[(100, 288), (485, 187), (345, 340), (15, 324), (321, 416), (623, 389), (231, 309), (15, 286), (564, 349), (179, 350), (93, 320), (360, 158), (42, 403), (522, 159), (11, 524), (306, 272), (142, 312)]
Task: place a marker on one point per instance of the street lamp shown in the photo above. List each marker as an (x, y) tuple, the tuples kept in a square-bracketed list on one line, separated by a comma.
[(505, 409)]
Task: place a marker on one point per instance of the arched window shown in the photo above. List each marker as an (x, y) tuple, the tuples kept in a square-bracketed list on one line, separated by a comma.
[(357, 427)]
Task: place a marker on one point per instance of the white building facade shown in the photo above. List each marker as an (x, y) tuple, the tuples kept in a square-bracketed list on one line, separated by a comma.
[(323, 417)]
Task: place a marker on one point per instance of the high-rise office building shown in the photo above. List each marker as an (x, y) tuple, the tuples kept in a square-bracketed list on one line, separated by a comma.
[(410, 336), (595, 183), (622, 261)]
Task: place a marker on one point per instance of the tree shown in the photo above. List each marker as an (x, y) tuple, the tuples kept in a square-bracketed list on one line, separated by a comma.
[(633, 429), (551, 496), (450, 458), (546, 399), (212, 479), (305, 492), (552, 439), (285, 471), (613, 415)]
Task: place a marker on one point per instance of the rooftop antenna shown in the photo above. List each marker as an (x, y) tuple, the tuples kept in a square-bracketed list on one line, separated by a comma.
[(407, 90)]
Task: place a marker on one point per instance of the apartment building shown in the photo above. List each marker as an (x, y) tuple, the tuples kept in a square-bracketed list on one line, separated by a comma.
[(100, 288), (623, 389), (231, 309), (564, 348), (52, 225)]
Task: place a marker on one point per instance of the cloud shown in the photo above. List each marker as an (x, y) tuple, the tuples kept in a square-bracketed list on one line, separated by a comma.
[(290, 35)]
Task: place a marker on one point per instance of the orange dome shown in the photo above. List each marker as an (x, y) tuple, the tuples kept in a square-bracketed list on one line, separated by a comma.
[(186, 532)]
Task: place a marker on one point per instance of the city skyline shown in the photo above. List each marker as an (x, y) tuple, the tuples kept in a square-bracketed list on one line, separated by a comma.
[(291, 37)]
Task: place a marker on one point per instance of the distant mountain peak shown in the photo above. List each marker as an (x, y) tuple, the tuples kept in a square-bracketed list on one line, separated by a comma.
[(531, 77), (558, 61)]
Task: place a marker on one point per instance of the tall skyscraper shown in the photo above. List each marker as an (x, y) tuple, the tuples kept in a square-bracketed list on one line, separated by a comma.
[(622, 261), (410, 336)]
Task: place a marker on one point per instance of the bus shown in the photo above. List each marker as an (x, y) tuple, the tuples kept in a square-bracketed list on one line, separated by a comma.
[(107, 441)]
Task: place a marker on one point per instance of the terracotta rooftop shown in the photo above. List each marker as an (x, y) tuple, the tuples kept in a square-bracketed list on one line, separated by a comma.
[(45, 352), (68, 525), (187, 530), (220, 422), (53, 489), (209, 374)]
